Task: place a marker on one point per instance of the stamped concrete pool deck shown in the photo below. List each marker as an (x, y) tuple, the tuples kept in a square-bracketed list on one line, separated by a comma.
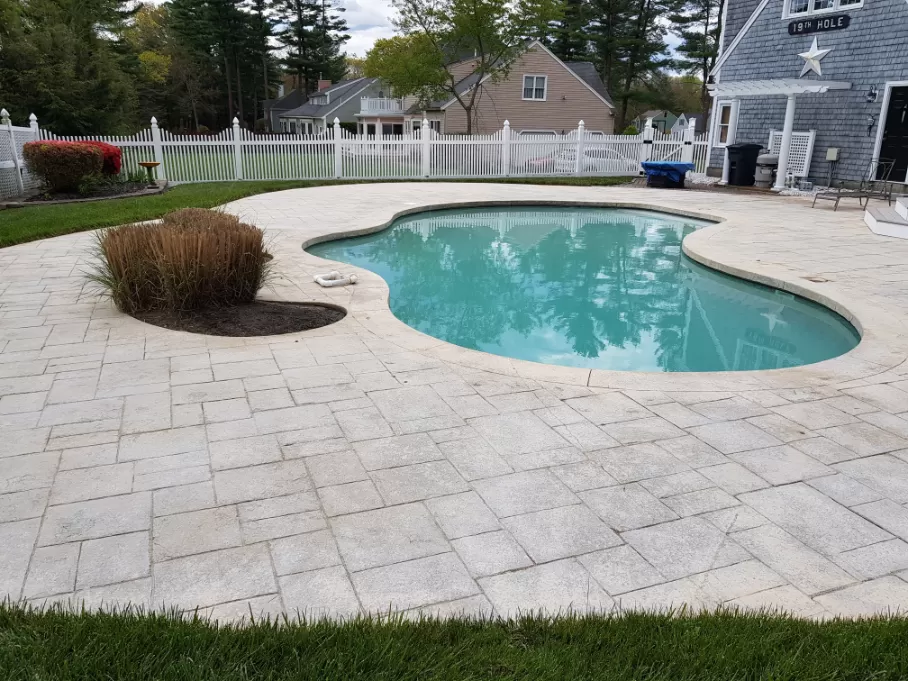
[(366, 466)]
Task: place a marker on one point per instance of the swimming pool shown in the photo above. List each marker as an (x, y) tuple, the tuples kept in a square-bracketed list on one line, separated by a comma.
[(602, 288)]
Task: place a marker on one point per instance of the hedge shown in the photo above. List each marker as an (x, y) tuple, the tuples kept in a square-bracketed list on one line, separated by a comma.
[(113, 156), (62, 165)]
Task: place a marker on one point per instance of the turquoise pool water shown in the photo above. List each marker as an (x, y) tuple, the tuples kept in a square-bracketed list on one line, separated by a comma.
[(601, 288)]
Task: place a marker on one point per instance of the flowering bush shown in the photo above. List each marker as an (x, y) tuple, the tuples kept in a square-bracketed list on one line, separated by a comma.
[(62, 165), (113, 156)]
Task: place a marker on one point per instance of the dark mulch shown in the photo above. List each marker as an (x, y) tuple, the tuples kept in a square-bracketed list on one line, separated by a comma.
[(261, 318), (114, 189)]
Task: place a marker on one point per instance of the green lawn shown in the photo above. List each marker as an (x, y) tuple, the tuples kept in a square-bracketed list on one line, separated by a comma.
[(38, 222), (58, 646)]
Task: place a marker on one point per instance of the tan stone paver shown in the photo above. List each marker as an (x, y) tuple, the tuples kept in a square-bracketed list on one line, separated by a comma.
[(365, 465)]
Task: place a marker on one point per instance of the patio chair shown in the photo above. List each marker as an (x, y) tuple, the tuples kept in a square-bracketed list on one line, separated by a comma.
[(875, 186)]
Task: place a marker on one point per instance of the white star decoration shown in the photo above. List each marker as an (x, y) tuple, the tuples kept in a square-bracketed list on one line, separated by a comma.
[(812, 59)]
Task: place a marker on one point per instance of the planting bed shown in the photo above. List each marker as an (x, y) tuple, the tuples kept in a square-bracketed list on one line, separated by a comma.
[(261, 318)]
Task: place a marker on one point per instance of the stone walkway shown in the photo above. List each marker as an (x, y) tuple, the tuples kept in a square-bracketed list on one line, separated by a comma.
[(367, 466)]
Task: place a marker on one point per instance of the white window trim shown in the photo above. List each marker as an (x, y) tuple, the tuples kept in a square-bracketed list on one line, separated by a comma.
[(717, 143), (545, 87), (811, 12)]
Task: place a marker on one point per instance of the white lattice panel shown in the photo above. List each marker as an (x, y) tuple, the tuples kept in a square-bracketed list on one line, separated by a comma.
[(9, 187), (798, 154)]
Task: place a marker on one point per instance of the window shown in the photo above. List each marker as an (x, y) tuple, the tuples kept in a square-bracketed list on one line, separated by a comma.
[(723, 123), (534, 87), (796, 8)]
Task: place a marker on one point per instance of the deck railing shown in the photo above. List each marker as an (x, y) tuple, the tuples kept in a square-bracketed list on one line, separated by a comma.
[(380, 105)]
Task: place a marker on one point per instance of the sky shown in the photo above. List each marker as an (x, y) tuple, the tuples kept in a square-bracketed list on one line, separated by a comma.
[(367, 20)]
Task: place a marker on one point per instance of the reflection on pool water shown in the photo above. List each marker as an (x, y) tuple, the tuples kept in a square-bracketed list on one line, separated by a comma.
[(601, 288)]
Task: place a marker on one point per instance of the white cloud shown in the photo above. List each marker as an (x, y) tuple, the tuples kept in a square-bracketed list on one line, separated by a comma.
[(368, 20)]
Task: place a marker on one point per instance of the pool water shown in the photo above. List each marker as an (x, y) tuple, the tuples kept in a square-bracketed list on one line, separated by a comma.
[(601, 288)]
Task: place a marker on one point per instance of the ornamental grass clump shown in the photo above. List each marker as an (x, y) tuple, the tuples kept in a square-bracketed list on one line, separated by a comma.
[(193, 259)]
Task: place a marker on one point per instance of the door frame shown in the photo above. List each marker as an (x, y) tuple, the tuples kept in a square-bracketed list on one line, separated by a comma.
[(881, 124)]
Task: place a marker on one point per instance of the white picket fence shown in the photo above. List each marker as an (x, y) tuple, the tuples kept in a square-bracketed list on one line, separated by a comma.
[(239, 154)]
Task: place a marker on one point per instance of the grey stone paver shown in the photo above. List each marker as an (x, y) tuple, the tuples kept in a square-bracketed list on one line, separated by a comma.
[(562, 586), (685, 547), (387, 535), (491, 553), (627, 507), (560, 532), (814, 518), (415, 583), (366, 465)]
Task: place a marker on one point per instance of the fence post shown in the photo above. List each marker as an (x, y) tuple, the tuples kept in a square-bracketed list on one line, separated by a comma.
[(338, 157), (506, 149), (14, 149), (158, 148), (33, 124), (426, 140), (646, 149), (237, 149), (578, 161), (687, 151)]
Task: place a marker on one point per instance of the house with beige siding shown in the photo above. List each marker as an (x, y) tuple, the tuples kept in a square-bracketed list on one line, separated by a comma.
[(540, 94)]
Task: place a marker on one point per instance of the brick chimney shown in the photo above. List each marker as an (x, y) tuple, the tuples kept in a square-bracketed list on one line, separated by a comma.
[(322, 84)]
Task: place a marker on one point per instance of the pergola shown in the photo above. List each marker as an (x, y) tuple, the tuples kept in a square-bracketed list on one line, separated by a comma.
[(787, 87)]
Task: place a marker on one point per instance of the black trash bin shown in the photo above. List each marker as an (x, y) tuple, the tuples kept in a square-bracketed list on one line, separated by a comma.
[(742, 164)]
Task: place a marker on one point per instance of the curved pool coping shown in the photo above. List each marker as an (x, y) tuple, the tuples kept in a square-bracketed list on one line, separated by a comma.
[(881, 347)]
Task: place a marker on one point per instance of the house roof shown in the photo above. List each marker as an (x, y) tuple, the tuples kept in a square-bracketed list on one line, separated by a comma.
[(657, 113), (587, 72), (339, 92), (700, 118), (291, 100)]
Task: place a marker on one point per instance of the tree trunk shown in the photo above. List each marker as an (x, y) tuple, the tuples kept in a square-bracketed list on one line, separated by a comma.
[(239, 91), (265, 93), (230, 110)]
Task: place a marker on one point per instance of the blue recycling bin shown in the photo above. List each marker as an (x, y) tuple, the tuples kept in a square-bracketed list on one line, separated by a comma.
[(667, 174)]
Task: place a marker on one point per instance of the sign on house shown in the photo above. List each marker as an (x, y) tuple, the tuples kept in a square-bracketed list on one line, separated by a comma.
[(818, 24)]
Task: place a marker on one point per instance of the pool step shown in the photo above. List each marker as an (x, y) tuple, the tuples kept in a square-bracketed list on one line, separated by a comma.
[(886, 221), (901, 206)]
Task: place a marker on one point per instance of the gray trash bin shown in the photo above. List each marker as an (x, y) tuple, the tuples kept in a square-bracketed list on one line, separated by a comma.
[(766, 168)]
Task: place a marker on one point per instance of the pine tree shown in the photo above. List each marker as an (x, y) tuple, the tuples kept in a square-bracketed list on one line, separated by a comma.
[(571, 39), (262, 30), (699, 24), (314, 35), (630, 47)]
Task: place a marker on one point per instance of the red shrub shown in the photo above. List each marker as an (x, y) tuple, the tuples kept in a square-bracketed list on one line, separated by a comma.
[(62, 164), (113, 156)]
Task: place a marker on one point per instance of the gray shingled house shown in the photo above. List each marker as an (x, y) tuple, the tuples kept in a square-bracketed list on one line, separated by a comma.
[(339, 100), (824, 82)]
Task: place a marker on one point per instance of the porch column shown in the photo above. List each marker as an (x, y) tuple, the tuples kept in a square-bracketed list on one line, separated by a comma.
[(730, 138), (785, 146)]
